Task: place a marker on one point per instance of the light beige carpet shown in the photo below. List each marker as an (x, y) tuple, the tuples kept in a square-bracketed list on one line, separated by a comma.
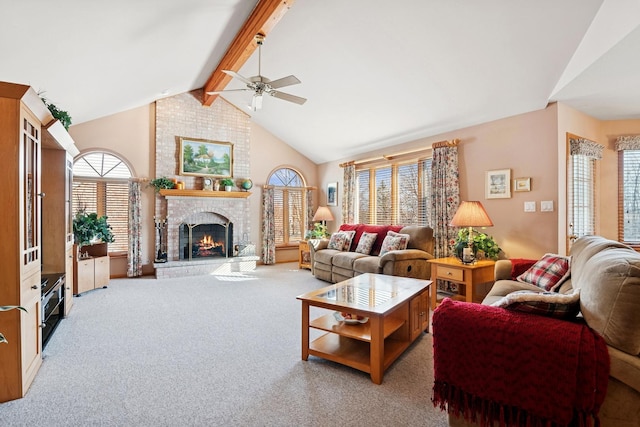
[(211, 351)]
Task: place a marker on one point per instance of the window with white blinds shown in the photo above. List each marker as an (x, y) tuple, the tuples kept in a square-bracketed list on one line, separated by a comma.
[(629, 194), (401, 193), (581, 195), (100, 185), (289, 206)]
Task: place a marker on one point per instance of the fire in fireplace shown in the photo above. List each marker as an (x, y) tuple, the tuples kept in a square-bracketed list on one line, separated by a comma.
[(206, 240)]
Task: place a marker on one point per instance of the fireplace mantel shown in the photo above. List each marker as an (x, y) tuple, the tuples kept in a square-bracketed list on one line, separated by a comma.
[(203, 193)]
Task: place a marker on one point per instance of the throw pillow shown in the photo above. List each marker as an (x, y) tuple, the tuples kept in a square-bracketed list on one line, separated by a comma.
[(548, 273), (394, 242), (366, 243), (341, 240), (551, 304), (337, 241)]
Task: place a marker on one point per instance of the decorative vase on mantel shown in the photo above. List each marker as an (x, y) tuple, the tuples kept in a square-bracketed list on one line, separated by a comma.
[(216, 185)]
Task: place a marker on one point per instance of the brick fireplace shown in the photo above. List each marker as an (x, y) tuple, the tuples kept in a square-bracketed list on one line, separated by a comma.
[(184, 116)]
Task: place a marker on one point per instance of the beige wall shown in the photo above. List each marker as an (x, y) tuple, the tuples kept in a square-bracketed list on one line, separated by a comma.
[(130, 135), (267, 154), (525, 144), (531, 145)]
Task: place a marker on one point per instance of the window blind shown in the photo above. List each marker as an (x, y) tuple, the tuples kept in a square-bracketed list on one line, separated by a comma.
[(383, 208), (364, 216), (408, 194), (581, 197), (629, 196)]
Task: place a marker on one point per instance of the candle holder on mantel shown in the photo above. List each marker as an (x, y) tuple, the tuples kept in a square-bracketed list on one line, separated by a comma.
[(161, 253)]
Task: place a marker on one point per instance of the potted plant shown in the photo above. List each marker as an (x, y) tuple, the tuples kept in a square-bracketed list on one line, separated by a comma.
[(160, 183), (319, 231), (227, 183), (481, 242), (88, 229)]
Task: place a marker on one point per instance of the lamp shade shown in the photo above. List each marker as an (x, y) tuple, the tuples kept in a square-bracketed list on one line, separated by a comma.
[(323, 214), (471, 214)]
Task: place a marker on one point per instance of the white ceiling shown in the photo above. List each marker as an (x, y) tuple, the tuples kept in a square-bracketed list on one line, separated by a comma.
[(376, 73)]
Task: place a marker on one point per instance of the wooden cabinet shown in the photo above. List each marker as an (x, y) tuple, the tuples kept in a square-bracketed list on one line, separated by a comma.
[(32, 226), (419, 314), (21, 116), (92, 272)]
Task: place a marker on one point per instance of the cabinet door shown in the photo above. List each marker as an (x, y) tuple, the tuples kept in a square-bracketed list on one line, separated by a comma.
[(85, 279), (30, 192), (30, 337), (101, 271), (68, 281), (419, 314)]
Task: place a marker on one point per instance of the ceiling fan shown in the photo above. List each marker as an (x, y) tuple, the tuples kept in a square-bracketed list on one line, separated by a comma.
[(261, 85)]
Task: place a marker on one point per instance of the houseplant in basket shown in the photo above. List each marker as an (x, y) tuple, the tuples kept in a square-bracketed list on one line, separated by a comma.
[(481, 242)]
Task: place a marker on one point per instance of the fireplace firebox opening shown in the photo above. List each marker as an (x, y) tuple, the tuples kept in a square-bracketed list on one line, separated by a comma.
[(199, 241)]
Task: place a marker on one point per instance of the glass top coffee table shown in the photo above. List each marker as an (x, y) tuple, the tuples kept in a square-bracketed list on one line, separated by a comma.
[(388, 314)]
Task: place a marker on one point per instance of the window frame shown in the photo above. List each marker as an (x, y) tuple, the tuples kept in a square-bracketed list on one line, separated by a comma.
[(288, 243), (621, 199)]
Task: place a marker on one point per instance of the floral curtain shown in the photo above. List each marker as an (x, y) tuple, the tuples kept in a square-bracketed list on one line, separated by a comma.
[(628, 143), (268, 226), (584, 147), (309, 221), (445, 196), (134, 255), (349, 194)]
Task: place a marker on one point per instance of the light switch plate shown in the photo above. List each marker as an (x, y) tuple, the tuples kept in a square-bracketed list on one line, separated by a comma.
[(546, 206), (529, 206)]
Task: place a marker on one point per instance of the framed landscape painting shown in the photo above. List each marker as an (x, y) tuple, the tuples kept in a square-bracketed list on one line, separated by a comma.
[(203, 157), (498, 185)]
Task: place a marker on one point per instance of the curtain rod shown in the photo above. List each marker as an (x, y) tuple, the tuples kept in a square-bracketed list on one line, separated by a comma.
[(451, 143)]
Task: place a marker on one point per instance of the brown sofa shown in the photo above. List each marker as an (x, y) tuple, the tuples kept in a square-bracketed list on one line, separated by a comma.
[(334, 266), (607, 273)]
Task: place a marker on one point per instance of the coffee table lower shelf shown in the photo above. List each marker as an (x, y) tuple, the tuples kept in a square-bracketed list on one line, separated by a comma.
[(353, 352)]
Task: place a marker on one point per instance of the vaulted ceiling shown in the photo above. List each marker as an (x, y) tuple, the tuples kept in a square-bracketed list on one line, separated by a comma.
[(375, 73)]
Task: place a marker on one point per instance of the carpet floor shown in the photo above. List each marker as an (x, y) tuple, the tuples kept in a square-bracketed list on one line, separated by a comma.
[(219, 350)]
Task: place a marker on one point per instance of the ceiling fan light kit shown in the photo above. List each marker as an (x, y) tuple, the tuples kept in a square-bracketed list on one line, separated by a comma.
[(261, 85)]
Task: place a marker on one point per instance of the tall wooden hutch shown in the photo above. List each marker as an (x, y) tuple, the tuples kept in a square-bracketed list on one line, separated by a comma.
[(36, 237)]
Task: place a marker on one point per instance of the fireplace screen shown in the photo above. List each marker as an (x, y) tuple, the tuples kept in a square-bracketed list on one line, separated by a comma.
[(206, 241)]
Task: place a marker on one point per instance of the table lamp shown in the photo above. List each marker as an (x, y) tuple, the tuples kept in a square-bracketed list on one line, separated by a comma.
[(470, 214), (323, 214)]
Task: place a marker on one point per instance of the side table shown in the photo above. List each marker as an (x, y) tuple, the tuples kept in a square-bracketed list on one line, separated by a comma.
[(468, 276), (304, 255)]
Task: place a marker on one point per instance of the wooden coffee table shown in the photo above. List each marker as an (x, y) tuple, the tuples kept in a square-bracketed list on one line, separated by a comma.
[(397, 309)]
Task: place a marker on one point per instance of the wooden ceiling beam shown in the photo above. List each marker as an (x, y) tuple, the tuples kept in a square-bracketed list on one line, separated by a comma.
[(263, 19)]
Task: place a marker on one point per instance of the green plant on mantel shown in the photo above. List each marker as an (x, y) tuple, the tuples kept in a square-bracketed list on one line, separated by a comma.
[(161, 183), (7, 308), (57, 113), (89, 228), (227, 182)]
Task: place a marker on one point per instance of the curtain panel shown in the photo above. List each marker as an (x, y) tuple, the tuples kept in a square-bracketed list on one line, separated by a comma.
[(349, 194), (134, 254), (445, 197), (268, 226)]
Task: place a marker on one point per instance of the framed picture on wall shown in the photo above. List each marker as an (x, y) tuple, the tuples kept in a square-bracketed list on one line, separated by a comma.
[(203, 157), (522, 184), (498, 184), (332, 194)]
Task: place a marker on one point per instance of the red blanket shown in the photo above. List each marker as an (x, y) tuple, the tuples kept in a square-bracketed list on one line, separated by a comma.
[(496, 365)]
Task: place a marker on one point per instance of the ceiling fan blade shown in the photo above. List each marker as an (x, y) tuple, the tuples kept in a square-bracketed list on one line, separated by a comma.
[(288, 97), (237, 76), (218, 92), (285, 81)]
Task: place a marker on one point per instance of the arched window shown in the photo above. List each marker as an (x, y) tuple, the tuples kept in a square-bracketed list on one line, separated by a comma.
[(100, 184), (290, 205)]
